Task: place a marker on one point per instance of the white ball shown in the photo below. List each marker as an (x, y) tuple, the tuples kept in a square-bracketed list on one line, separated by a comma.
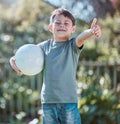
[(29, 59)]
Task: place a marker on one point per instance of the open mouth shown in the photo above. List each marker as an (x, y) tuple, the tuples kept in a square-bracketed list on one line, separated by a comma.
[(61, 30)]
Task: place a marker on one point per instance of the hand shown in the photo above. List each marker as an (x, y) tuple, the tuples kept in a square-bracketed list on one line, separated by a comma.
[(13, 65), (96, 30)]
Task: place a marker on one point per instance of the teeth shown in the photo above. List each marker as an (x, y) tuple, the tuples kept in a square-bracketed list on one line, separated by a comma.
[(61, 30)]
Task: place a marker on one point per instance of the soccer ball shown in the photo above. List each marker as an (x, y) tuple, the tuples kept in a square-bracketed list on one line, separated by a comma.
[(30, 59)]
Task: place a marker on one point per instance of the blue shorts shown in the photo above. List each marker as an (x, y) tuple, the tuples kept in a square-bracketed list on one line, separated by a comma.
[(61, 113)]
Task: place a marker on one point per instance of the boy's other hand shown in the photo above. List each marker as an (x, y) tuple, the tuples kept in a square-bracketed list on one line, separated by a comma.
[(13, 65), (96, 30)]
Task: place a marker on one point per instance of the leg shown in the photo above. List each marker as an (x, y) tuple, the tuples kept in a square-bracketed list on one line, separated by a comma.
[(49, 115), (70, 114)]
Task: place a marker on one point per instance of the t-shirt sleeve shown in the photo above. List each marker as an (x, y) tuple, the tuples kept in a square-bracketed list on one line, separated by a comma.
[(40, 45)]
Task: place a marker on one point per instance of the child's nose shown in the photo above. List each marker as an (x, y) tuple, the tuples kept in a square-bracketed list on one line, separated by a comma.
[(62, 25)]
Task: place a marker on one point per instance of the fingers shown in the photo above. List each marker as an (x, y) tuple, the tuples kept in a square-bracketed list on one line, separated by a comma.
[(11, 60), (96, 30), (13, 65), (94, 23)]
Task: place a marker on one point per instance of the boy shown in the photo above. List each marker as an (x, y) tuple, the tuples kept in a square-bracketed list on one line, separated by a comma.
[(58, 95)]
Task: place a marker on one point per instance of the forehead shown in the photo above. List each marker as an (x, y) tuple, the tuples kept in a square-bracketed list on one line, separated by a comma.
[(61, 17)]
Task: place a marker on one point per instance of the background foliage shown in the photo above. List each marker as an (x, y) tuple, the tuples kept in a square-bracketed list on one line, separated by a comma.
[(27, 22)]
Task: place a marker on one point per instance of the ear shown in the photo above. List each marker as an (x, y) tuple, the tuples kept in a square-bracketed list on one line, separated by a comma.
[(50, 27), (73, 28)]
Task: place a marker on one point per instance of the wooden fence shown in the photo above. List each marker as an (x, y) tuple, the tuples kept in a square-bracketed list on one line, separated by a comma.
[(113, 69), (19, 104)]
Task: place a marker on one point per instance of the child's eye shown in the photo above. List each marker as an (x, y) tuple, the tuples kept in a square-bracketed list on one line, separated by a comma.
[(66, 23), (57, 23)]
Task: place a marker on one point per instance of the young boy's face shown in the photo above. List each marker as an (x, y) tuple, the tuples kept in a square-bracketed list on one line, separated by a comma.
[(61, 27)]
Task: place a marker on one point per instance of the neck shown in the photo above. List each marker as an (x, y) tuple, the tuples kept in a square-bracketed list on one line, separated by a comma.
[(61, 39)]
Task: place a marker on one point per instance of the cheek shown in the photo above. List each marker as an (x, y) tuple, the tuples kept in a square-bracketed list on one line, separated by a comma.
[(53, 29), (73, 29)]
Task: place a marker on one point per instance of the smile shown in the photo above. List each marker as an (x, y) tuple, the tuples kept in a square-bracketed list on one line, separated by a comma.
[(61, 30)]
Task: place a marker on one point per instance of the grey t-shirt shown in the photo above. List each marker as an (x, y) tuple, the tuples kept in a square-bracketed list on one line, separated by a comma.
[(59, 75)]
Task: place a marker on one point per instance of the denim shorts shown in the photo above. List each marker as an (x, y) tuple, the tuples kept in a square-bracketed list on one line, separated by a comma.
[(61, 113)]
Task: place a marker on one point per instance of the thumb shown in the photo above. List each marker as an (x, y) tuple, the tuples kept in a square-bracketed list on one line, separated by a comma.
[(94, 22)]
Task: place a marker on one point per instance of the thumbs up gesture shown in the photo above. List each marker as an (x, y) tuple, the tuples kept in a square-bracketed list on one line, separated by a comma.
[(96, 30)]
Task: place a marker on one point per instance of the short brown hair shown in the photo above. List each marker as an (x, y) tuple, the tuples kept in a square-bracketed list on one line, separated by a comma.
[(62, 11)]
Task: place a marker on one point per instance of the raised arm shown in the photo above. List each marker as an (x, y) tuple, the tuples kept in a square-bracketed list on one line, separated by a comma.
[(95, 30)]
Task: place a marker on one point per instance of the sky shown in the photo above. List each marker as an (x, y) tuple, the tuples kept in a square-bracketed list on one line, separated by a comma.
[(8, 2)]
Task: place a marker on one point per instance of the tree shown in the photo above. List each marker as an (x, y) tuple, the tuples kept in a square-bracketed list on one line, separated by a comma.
[(26, 22), (86, 10)]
